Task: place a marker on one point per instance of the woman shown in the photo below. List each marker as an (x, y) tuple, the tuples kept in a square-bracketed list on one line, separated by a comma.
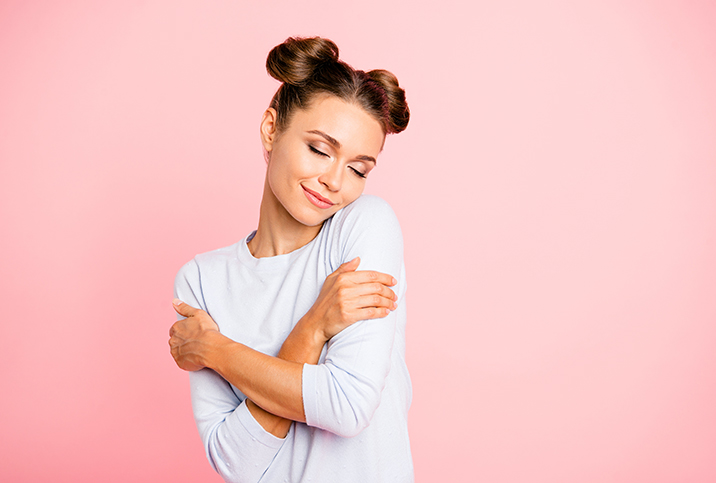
[(298, 358)]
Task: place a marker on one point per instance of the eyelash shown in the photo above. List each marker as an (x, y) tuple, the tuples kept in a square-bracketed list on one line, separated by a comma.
[(358, 173), (320, 153)]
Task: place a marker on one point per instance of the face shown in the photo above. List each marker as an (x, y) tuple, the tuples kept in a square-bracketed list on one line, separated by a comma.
[(319, 162)]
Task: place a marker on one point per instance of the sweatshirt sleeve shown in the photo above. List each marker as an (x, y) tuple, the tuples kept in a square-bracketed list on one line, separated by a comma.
[(342, 393), (237, 447)]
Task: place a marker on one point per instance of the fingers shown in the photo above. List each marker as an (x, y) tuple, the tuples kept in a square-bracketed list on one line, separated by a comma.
[(369, 313), (368, 276), (372, 276), (175, 334), (371, 304), (377, 301), (349, 266), (178, 329), (196, 321), (374, 288), (184, 309)]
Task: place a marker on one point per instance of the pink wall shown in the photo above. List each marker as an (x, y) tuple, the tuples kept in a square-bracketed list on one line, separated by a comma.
[(556, 186)]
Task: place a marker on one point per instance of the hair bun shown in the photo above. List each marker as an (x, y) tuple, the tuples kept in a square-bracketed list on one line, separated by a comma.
[(398, 111), (294, 61), (310, 66)]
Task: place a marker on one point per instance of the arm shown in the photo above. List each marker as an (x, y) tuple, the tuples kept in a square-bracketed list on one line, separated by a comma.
[(303, 345), (273, 385), (237, 447), (365, 296), (341, 394)]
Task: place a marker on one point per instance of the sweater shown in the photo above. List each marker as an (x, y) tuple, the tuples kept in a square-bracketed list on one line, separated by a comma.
[(356, 398)]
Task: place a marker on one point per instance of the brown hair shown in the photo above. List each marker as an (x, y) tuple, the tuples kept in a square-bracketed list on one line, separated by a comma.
[(310, 66)]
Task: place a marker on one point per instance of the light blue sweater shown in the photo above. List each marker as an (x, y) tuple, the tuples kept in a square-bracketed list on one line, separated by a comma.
[(356, 398)]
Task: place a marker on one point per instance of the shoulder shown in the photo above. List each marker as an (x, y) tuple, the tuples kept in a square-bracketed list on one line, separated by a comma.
[(210, 260), (368, 228), (369, 204), (368, 212), (217, 258), (189, 276)]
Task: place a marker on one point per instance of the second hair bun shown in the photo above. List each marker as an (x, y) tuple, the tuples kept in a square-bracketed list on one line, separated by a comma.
[(294, 61)]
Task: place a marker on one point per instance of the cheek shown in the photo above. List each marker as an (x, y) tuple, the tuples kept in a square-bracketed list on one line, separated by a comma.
[(279, 165), (355, 190), (277, 180), (293, 164), (285, 173)]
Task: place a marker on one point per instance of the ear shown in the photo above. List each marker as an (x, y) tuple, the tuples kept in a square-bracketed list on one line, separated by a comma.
[(268, 128)]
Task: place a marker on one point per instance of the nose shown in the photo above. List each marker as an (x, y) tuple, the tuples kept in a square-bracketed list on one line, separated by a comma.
[(332, 177)]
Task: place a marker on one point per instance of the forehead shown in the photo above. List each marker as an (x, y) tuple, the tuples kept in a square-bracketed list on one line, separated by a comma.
[(348, 123)]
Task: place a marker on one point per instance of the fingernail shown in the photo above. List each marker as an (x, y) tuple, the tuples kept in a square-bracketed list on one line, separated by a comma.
[(177, 302), (395, 305), (394, 281)]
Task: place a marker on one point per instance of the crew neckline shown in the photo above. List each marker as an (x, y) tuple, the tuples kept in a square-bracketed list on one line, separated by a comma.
[(277, 261)]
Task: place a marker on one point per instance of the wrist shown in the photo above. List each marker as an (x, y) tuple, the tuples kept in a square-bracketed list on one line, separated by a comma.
[(305, 342), (310, 329), (214, 345)]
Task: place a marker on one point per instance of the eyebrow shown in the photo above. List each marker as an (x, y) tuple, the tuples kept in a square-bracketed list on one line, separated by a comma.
[(336, 144)]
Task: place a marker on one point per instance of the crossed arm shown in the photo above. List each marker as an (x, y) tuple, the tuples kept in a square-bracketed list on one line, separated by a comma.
[(273, 385)]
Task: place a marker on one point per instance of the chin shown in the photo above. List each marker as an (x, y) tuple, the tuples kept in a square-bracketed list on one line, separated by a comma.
[(312, 218)]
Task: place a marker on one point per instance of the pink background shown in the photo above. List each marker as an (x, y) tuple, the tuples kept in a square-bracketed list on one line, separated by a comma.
[(556, 188)]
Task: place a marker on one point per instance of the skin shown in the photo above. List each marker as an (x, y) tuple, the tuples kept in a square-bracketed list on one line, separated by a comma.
[(324, 149)]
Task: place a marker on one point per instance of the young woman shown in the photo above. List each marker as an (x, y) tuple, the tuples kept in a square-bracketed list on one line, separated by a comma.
[(297, 357)]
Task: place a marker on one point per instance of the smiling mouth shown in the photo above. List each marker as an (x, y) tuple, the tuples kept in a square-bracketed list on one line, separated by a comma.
[(317, 199)]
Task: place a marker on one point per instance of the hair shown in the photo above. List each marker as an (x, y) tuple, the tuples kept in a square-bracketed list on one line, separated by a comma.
[(308, 67)]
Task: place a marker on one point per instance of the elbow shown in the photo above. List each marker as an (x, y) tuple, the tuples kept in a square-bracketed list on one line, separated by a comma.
[(217, 459), (360, 415), (351, 430), (220, 458), (351, 413), (340, 401), (223, 466)]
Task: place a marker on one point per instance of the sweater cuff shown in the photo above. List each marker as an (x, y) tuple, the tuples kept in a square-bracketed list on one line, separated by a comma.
[(310, 398), (254, 429)]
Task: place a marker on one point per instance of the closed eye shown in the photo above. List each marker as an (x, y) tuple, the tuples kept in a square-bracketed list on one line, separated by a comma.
[(321, 153), (358, 173), (316, 151)]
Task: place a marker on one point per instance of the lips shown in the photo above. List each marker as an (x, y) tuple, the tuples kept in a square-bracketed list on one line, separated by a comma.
[(317, 199)]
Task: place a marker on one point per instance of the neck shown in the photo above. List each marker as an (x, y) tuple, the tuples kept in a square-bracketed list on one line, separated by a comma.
[(278, 232)]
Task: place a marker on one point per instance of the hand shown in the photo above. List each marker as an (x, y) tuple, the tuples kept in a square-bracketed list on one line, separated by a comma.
[(348, 296), (190, 338)]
